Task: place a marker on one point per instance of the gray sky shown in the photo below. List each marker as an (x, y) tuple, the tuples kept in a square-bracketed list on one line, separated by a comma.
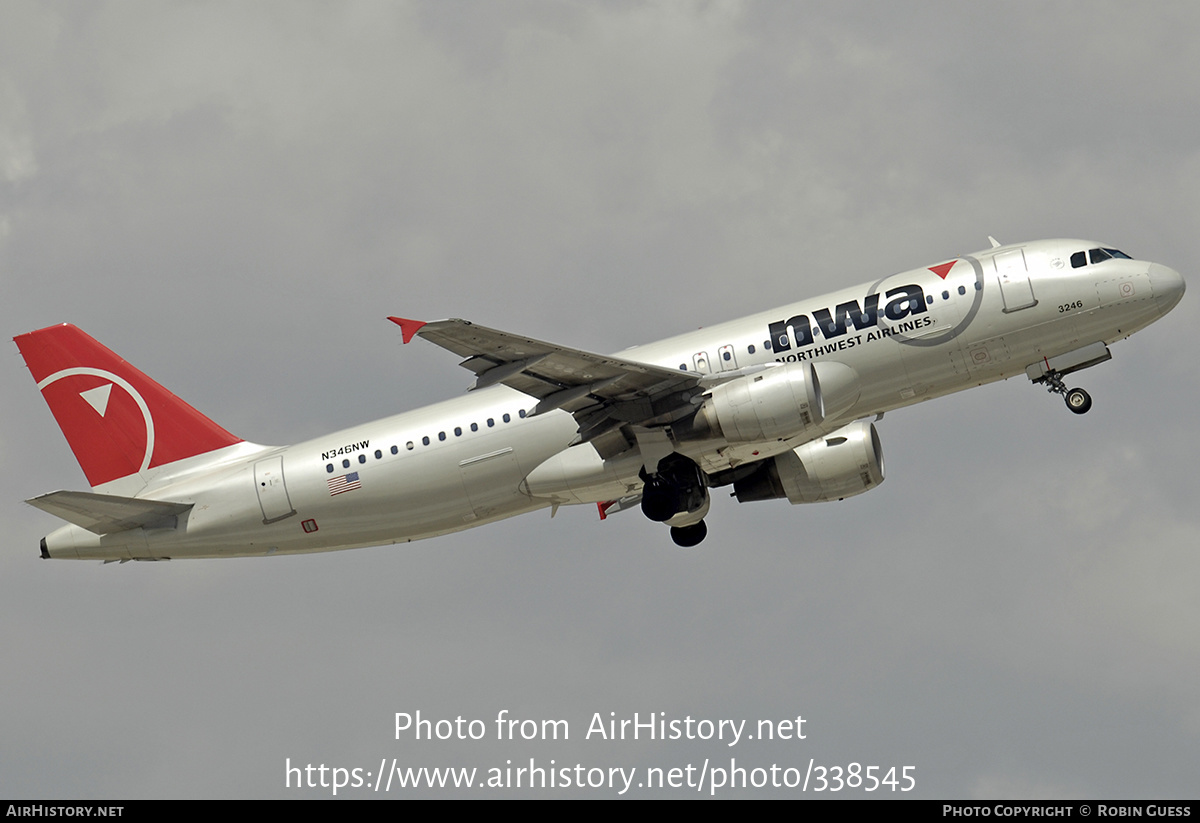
[(233, 196)]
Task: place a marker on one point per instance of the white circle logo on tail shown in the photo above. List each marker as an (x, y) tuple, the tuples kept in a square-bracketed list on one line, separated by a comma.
[(97, 398)]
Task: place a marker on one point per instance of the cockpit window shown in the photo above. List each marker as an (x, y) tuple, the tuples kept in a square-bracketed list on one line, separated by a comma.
[(1097, 255)]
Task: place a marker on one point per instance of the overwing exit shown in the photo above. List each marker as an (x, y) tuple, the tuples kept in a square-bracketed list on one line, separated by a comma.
[(777, 405)]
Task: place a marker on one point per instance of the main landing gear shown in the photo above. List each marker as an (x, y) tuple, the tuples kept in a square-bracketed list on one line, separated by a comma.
[(1078, 400), (677, 494), (688, 536)]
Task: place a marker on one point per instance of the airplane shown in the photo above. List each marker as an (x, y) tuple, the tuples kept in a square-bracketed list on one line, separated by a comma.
[(778, 405)]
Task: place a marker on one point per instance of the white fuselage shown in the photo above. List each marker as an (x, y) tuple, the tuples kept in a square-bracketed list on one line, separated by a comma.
[(465, 462)]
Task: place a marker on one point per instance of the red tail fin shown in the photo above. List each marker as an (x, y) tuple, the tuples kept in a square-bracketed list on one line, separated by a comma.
[(117, 420)]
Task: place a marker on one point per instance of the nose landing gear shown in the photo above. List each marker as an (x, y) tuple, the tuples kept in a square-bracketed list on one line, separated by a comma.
[(1077, 400)]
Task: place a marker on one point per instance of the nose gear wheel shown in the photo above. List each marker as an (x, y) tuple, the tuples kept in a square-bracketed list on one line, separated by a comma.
[(1077, 400)]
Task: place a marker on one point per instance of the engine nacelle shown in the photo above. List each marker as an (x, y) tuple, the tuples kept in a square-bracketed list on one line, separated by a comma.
[(842, 464), (779, 402)]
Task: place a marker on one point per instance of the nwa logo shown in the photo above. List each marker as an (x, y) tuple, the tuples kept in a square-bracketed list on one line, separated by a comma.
[(903, 302)]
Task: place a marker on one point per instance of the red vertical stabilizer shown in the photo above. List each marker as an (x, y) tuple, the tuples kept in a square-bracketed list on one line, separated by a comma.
[(117, 420)]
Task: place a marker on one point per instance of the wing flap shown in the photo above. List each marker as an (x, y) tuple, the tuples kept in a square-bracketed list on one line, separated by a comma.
[(107, 513)]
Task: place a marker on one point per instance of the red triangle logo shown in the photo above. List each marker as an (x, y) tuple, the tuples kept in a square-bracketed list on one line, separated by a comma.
[(944, 269)]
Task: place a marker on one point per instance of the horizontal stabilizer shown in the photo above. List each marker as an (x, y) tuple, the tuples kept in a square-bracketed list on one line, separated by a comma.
[(107, 513)]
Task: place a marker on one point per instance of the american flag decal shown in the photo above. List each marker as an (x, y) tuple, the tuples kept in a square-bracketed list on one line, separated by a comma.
[(344, 483)]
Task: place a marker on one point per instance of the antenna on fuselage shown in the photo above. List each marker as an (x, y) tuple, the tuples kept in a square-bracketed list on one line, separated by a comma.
[(995, 243)]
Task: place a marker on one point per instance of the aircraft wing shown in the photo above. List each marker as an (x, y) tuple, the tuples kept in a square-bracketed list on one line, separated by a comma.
[(601, 391)]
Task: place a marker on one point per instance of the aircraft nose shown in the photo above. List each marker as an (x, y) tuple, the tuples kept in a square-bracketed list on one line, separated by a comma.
[(1168, 286)]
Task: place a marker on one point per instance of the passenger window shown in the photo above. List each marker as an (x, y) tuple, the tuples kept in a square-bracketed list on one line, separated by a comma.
[(362, 458), (379, 454), (521, 413), (474, 427), (345, 464), (491, 422), (750, 348), (1078, 259), (329, 468), (962, 290), (441, 435), (945, 295), (458, 431), (409, 445), (425, 440), (506, 417)]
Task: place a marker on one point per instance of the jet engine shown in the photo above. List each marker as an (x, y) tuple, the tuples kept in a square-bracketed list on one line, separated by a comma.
[(846, 462), (776, 403)]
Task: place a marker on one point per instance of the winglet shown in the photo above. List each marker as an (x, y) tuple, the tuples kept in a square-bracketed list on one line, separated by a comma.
[(408, 328)]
